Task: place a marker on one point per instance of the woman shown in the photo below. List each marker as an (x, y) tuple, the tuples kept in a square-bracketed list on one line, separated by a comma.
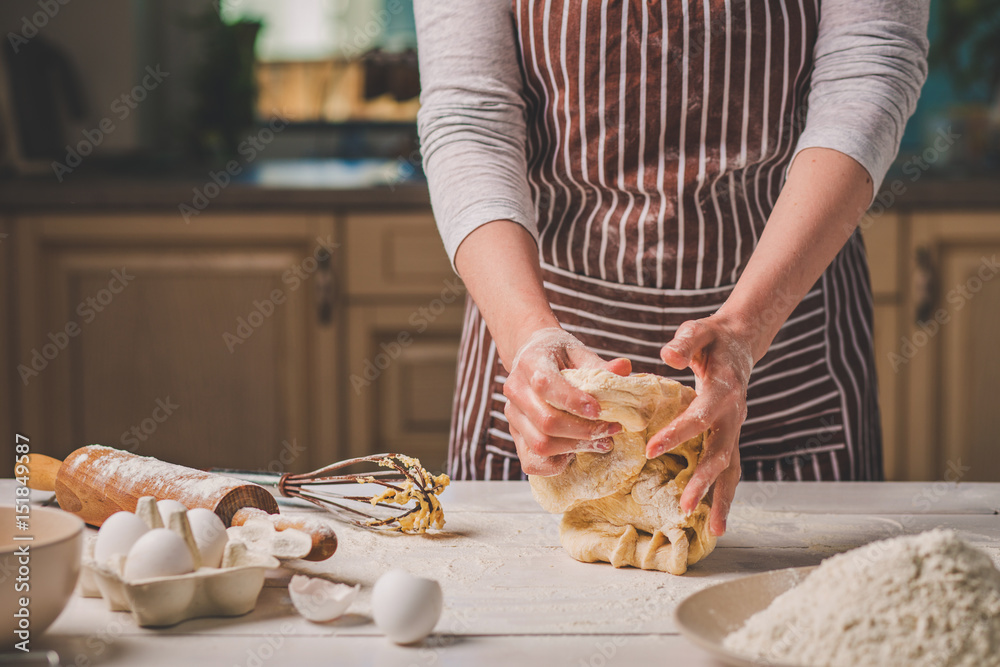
[(602, 173)]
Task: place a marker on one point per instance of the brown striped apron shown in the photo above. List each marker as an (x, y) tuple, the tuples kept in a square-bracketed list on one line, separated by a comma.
[(658, 138)]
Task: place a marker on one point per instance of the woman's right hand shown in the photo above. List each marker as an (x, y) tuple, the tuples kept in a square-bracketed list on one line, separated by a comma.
[(549, 418)]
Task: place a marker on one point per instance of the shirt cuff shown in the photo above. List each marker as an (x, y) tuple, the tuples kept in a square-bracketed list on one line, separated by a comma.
[(466, 221), (874, 158)]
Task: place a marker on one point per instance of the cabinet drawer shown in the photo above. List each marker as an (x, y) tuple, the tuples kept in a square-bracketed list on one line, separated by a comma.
[(395, 254)]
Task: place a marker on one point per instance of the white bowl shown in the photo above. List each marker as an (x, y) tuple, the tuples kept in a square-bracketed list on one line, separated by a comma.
[(708, 616), (53, 564)]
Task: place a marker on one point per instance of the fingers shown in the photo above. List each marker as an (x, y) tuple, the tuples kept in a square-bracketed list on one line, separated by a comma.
[(695, 419), (540, 400), (557, 423), (722, 496), (558, 392), (533, 464), (689, 340), (722, 398), (557, 433), (549, 418), (620, 366), (720, 445)]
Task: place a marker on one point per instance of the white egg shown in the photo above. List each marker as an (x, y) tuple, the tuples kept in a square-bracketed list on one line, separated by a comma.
[(117, 535), (159, 553), (168, 507), (209, 534), (406, 608), (320, 600)]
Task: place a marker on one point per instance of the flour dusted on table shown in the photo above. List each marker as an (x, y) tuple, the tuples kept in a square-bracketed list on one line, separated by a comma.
[(922, 600)]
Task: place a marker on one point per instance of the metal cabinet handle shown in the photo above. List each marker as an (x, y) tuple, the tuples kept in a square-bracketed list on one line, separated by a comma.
[(925, 285)]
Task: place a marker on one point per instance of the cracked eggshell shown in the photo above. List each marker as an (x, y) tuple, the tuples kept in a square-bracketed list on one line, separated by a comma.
[(320, 600), (260, 536), (166, 507), (117, 535), (209, 534), (159, 553), (405, 607)]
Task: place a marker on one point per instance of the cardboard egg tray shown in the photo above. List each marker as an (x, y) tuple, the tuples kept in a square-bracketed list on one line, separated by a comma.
[(229, 590)]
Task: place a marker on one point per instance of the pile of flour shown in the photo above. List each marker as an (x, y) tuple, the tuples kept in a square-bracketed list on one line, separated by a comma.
[(928, 599)]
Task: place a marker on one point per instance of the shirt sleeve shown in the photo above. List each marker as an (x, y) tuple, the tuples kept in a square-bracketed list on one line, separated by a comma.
[(472, 117), (870, 61)]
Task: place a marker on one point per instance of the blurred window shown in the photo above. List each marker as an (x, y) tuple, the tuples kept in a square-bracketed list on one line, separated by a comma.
[(333, 60)]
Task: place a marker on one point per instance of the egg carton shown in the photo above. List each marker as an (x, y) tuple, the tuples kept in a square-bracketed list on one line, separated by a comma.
[(229, 590)]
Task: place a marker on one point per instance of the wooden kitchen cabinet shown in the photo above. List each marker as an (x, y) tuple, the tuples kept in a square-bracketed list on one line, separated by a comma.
[(950, 362), (882, 242), (401, 379), (200, 344), (403, 323), (224, 343)]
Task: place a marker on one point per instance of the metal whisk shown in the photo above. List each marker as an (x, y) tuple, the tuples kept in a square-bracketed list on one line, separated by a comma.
[(410, 499)]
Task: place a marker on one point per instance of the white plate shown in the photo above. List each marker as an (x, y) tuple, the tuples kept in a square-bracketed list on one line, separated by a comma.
[(709, 615)]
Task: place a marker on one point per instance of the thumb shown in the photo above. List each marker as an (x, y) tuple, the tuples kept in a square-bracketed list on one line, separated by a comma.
[(620, 366), (690, 339)]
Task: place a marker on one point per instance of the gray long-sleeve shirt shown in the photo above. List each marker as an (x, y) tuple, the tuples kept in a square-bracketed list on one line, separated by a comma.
[(869, 65)]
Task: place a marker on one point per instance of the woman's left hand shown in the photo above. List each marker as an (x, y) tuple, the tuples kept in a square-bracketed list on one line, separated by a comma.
[(721, 359)]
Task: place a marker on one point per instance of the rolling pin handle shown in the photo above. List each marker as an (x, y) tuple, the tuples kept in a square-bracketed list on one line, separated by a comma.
[(42, 472)]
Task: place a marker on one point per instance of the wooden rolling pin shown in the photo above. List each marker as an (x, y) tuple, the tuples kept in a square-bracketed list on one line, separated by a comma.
[(95, 481)]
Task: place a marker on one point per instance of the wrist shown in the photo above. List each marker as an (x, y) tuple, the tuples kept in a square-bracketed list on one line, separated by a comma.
[(755, 330), (518, 330)]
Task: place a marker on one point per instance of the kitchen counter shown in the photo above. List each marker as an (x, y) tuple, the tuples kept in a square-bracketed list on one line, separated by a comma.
[(512, 594), (328, 185), (119, 193)]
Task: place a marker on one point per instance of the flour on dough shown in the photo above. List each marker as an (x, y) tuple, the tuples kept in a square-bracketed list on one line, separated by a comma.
[(621, 507)]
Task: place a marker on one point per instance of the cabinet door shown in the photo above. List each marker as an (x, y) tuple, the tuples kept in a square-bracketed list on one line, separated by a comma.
[(951, 359), (197, 344), (881, 234), (401, 379), (403, 325)]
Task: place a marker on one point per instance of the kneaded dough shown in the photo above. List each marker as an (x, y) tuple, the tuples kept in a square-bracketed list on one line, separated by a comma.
[(621, 507)]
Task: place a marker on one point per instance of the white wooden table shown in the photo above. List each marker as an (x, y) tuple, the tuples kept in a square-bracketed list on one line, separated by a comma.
[(513, 596)]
